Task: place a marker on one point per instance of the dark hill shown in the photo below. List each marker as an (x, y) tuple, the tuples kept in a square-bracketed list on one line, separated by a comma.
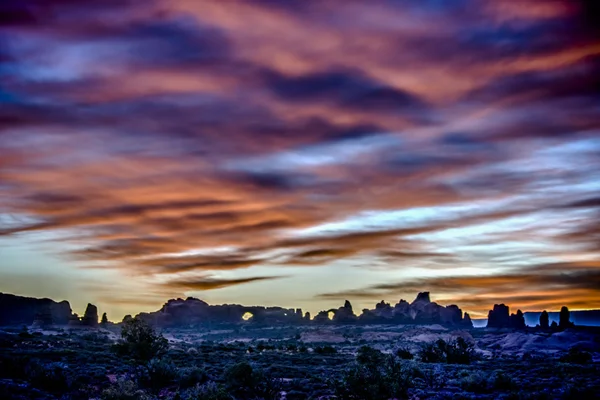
[(18, 310)]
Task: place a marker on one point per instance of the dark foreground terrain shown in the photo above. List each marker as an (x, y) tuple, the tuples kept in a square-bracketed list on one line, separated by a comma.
[(344, 362)]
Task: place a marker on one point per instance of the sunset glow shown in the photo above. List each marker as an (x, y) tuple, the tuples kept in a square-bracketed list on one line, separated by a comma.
[(300, 153)]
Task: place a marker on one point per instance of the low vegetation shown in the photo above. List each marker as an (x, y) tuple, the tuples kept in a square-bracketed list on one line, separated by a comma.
[(138, 363)]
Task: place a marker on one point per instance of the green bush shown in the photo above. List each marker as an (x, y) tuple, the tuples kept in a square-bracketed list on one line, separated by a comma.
[(124, 390), (433, 377), (404, 354), (207, 391), (242, 380), (576, 357), (502, 382), (433, 352), (369, 356), (158, 374), (458, 351), (50, 377), (327, 349), (476, 382), (189, 377), (371, 381), (140, 341)]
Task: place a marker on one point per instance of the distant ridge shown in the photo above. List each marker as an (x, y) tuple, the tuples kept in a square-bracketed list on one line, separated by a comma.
[(580, 318), (19, 310), (532, 318)]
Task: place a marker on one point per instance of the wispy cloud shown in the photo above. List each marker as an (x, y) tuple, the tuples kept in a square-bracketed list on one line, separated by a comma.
[(149, 135)]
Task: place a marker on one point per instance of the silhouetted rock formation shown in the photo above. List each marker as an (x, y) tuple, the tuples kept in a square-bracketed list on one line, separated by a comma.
[(344, 315), (43, 318), (18, 310), (90, 317), (322, 317), (517, 321), (74, 320), (421, 311), (104, 320), (580, 318), (565, 319), (544, 320), (194, 312), (466, 322), (499, 317), (422, 298)]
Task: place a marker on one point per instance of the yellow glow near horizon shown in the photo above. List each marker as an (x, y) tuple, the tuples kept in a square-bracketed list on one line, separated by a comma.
[(247, 316)]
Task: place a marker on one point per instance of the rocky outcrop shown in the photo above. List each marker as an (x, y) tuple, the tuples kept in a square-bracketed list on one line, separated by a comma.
[(564, 320), (422, 311), (579, 318), (90, 317), (322, 317), (18, 310), (517, 321), (193, 312), (104, 320), (499, 317), (74, 320), (466, 321), (43, 318), (544, 320), (344, 315), (422, 298)]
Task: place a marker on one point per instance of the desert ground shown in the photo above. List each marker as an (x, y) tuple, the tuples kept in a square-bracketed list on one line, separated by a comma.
[(296, 362)]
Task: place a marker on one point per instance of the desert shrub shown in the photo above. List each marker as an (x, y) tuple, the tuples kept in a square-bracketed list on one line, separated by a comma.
[(327, 349), (404, 354), (13, 367), (433, 377), (476, 382), (140, 341), (157, 374), (576, 357), (24, 334), (370, 381), (433, 352), (124, 390), (244, 381), (189, 377), (240, 375), (529, 396), (51, 377), (460, 351), (580, 391), (206, 391), (369, 356), (95, 337), (457, 351), (502, 382)]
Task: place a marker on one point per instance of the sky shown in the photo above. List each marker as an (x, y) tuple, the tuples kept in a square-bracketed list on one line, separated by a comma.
[(300, 153)]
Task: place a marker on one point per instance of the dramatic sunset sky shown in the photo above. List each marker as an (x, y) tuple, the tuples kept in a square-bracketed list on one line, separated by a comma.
[(300, 153)]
